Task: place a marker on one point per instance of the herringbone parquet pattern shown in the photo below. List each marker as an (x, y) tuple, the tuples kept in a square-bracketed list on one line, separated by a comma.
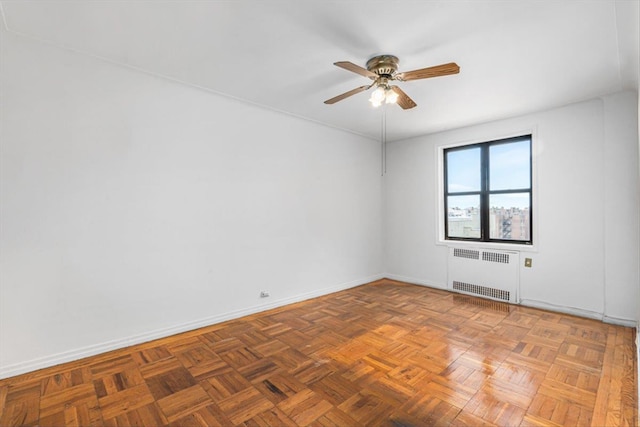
[(383, 354)]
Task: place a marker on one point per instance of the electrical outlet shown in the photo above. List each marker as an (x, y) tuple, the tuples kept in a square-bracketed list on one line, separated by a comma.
[(527, 262), (264, 294)]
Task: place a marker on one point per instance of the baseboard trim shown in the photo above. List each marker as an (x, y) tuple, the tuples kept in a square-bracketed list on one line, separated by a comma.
[(579, 312), (561, 309), (619, 321), (92, 350), (415, 281)]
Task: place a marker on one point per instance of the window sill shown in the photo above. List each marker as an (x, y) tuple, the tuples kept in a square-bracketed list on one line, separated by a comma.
[(514, 247)]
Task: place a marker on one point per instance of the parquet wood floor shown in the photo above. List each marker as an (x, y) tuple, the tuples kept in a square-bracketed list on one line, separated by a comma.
[(382, 354)]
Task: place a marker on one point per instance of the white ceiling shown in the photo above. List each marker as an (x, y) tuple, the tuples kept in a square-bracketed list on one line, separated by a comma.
[(515, 56)]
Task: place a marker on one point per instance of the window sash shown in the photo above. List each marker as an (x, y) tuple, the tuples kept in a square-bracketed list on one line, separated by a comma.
[(484, 194)]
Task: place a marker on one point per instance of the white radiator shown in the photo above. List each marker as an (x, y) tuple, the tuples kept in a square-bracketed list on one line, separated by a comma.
[(485, 273)]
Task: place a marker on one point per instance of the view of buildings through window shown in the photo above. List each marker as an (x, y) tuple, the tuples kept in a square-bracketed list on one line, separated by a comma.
[(504, 223), (488, 191)]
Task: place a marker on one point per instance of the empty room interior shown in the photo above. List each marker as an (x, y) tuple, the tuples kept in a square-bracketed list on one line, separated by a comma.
[(266, 213)]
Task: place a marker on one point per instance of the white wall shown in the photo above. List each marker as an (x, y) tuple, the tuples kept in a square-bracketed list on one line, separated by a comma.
[(621, 205), (133, 207), (587, 221)]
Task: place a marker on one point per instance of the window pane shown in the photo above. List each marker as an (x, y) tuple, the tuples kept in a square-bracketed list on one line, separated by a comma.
[(463, 216), (509, 216), (510, 166), (463, 170)]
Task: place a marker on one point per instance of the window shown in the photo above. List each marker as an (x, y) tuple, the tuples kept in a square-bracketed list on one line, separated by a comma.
[(487, 191)]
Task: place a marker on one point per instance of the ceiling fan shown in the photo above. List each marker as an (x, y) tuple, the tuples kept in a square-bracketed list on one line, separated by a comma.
[(383, 69)]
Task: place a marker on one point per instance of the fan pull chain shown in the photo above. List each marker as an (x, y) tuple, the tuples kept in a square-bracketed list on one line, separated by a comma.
[(383, 141), (384, 113), (381, 146)]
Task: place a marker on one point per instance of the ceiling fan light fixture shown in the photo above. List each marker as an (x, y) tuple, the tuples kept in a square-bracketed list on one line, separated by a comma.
[(390, 96), (377, 96), (383, 94)]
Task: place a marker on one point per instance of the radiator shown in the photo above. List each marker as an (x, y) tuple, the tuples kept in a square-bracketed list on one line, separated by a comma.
[(485, 273)]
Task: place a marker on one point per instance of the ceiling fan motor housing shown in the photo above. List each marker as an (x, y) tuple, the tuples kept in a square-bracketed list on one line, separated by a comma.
[(383, 65)]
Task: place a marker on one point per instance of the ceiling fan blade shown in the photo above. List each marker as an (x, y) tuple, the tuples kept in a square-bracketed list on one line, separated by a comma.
[(403, 99), (350, 66), (425, 73), (347, 94)]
